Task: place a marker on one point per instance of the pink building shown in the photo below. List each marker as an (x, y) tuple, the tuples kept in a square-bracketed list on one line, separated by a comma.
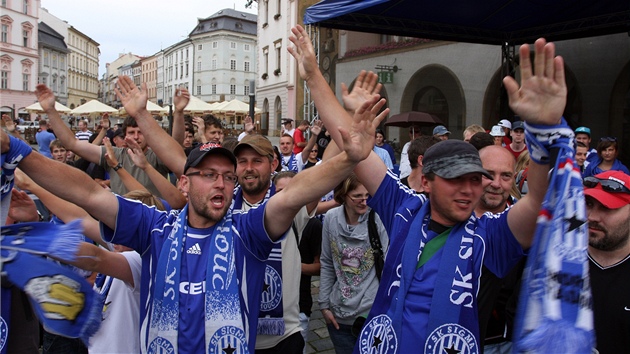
[(19, 57)]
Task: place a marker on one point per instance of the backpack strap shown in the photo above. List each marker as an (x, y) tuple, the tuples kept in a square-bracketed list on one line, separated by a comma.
[(375, 242)]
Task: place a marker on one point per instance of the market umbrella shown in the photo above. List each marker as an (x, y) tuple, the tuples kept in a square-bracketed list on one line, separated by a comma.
[(37, 108), (411, 118), (151, 107), (196, 105), (94, 106)]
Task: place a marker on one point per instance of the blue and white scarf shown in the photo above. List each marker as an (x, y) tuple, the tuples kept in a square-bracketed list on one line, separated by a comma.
[(222, 297), (455, 275), (271, 316), (555, 310), (290, 164), (63, 301)]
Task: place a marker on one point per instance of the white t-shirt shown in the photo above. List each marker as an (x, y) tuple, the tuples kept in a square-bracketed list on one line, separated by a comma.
[(120, 331), (405, 167)]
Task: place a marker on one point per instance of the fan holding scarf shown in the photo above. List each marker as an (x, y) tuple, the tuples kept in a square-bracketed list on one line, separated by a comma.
[(427, 296)]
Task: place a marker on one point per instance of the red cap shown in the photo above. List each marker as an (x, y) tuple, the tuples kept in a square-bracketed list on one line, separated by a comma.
[(609, 199)]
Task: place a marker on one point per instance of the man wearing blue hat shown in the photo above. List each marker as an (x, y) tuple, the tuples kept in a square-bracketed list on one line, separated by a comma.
[(441, 132), (583, 135)]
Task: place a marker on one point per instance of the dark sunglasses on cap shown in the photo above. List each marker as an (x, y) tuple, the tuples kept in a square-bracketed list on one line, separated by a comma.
[(608, 185), (608, 138)]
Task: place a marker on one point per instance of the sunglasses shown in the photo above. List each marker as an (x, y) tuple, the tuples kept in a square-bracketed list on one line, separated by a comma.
[(608, 185), (608, 138)]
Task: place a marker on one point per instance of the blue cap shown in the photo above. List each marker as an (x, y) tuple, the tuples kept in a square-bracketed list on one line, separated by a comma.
[(583, 130), (440, 130), (518, 125)]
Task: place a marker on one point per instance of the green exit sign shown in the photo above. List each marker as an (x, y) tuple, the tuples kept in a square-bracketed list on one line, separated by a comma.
[(386, 77)]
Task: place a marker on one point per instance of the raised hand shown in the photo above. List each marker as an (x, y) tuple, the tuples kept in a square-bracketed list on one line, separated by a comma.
[(105, 124), (133, 99), (22, 207), (45, 96), (8, 123), (181, 99), (542, 96), (200, 135), (135, 152), (248, 124), (303, 52), (110, 157), (317, 126), (358, 143), (365, 88)]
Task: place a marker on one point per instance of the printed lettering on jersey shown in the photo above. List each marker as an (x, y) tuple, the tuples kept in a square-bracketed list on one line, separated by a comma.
[(272, 290), (451, 338), (161, 346), (378, 336), (192, 288), (228, 339)]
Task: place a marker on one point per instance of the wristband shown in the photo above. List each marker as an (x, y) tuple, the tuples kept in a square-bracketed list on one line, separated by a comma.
[(540, 139), (117, 167)]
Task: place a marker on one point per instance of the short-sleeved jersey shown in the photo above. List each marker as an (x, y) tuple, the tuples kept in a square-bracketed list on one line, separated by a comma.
[(493, 246), (145, 229)]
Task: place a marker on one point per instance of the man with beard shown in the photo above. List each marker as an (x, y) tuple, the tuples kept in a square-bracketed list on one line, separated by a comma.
[(608, 207), (203, 267), (279, 322)]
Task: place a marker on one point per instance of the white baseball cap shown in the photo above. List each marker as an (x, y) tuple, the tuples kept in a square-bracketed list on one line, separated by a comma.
[(497, 130), (505, 123)]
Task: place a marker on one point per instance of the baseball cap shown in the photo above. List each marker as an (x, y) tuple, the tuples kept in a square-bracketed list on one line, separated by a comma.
[(583, 130), (440, 130), (451, 159), (505, 123), (611, 188), (198, 153), (257, 142), (518, 125), (497, 130)]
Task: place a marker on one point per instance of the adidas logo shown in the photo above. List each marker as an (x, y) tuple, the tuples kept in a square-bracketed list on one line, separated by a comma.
[(194, 249)]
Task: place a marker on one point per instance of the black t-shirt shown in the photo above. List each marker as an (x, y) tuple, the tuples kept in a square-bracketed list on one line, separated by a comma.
[(310, 247), (611, 306), (322, 141)]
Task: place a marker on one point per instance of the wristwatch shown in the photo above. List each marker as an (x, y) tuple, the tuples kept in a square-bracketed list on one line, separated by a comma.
[(117, 167)]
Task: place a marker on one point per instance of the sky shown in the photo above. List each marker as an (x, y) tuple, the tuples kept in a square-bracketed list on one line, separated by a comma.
[(141, 27)]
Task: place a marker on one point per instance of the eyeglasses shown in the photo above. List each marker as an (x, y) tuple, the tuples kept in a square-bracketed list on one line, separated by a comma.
[(608, 138), (314, 150), (359, 199), (213, 176), (608, 185)]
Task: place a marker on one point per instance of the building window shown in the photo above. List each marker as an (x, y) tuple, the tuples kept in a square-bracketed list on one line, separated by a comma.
[(232, 89), (198, 66), (4, 80), (198, 90), (25, 82), (62, 85), (232, 64), (214, 64), (63, 63), (278, 57), (246, 66), (232, 45), (246, 47), (54, 84), (214, 89), (5, 33), (25, 6), (175, 71), (200, 47), (54, 61), (186, 69), (25, 36), (46, 59), (246, 89), (215, 45)]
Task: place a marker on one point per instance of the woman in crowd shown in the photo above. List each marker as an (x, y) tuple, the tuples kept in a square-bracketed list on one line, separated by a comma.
[(348, 279), (607, 152), (381, 142)]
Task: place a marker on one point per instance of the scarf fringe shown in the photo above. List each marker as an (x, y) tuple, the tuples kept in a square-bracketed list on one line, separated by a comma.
[(556, 336), (271, 326)]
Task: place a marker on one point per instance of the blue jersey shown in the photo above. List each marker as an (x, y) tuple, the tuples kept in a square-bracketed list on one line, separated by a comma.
[(145, 229), (495, 247)]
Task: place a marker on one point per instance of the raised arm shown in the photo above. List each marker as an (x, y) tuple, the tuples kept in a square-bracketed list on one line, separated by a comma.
[(73, 185), (540, 99), (105, 124), (100, 260), (169, 192), (165, 147), (127, 179), (316, 128), (82, 148), (316, 181), (180, 100)]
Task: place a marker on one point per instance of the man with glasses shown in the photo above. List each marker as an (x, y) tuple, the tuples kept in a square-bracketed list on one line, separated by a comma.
[(608, 207)]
